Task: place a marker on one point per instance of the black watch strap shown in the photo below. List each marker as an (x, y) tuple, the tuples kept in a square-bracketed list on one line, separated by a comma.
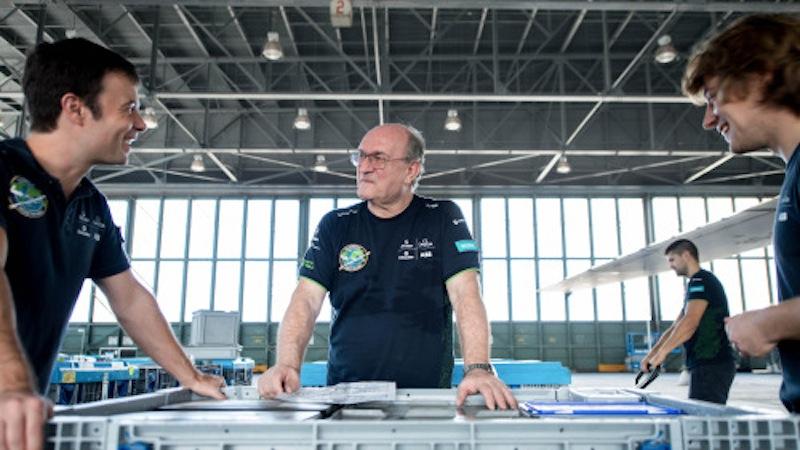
[(483, 366)]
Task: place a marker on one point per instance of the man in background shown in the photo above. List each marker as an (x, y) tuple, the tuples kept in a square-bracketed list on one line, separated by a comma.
[(700, 327)]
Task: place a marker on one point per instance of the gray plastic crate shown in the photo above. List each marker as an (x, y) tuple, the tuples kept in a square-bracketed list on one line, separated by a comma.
[(215, 328), (417, 420)]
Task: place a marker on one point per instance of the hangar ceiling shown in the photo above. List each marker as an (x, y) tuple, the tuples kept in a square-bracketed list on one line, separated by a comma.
[(530, 81)]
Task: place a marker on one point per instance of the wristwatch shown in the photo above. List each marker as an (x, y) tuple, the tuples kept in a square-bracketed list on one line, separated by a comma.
[(483, 366)]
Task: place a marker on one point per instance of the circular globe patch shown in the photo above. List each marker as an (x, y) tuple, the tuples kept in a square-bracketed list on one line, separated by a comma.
[(26, 198), (353, 257)]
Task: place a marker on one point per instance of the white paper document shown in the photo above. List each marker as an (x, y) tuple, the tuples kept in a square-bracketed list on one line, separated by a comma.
[(345, 393)]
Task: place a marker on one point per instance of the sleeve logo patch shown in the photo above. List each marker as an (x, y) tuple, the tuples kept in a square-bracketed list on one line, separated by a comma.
[(697, 288), (466, 245)]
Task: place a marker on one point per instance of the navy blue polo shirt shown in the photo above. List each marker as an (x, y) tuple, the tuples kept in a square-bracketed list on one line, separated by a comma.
[(54, 244), (787, 265), (709, 344), (391, 317)]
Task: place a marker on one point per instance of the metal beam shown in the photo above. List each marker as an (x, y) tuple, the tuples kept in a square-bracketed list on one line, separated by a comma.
[(547, 168), (631, 169), (411, 97), (573, 5), (573, 30), (479, 33), (333, 45), (742, 176), (622, 77), (455, 151), (709, 168)]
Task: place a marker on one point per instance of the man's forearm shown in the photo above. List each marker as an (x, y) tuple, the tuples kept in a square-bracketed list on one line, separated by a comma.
[(15, 372), (144, 322), (473, 329), (782, 321), (294, 334), (664, 338)]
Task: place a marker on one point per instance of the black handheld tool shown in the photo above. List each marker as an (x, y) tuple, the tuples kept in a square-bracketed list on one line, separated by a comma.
[(651, 376)]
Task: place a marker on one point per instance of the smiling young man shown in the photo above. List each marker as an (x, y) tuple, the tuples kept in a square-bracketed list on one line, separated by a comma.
[(56, 229), (700, 328), (396, 265), (749, 77)]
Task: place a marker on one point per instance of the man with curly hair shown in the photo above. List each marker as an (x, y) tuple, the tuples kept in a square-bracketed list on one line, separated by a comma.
[(748, 76)]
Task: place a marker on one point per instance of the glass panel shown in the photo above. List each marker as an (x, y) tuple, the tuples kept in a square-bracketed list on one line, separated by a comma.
[(670, 288), (756, 284), (551, 303), (119, 212), (693, 213), (548, 227), (520, 217), (173, 229), (102, 312), (773, 277), (495, 289), (523, 289), (317, 208), (198, 288), (609, 302), (254, 307), (170, 289), (258, 229), (229, 233), (742, 203), (201, 241), (719, 208), (284, 280), (145, 229), (347, 201), (581, 303), (727, 270), (637, 299), (665, 217), (325, 312), (145, 273), (287, 217), (226, 290), (465, 204), (493, 227), (631, 224), (80, 313), (576, 227), (604, 227)]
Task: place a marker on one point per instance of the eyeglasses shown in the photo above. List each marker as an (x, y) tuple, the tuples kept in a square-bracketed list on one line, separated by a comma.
[(377, 160)]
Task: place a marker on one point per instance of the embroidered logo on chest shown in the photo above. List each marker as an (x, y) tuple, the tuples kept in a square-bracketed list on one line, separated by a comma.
[(419, 248), (353, 257)]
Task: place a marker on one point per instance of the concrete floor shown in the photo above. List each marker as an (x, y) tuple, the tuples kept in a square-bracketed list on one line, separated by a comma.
[(751, 390)]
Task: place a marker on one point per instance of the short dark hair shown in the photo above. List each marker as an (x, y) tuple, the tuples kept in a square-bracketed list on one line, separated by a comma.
[(683, 245), (759, 44), (71, 65)]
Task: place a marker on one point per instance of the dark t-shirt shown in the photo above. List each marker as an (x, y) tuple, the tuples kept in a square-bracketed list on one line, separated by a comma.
[(787, 264), (53, 246), (709, 344), (391, 317)]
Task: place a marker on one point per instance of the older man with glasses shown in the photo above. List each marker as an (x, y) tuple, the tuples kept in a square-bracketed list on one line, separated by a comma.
[(396, 265)]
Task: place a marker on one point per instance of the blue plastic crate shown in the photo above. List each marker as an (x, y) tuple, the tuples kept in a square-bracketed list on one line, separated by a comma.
[(513, 373)]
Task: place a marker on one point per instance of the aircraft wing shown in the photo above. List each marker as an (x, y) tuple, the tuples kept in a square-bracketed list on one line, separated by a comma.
[(743, 231)]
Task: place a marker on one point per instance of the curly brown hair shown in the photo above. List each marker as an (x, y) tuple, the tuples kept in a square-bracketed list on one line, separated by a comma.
[(755, 45)]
